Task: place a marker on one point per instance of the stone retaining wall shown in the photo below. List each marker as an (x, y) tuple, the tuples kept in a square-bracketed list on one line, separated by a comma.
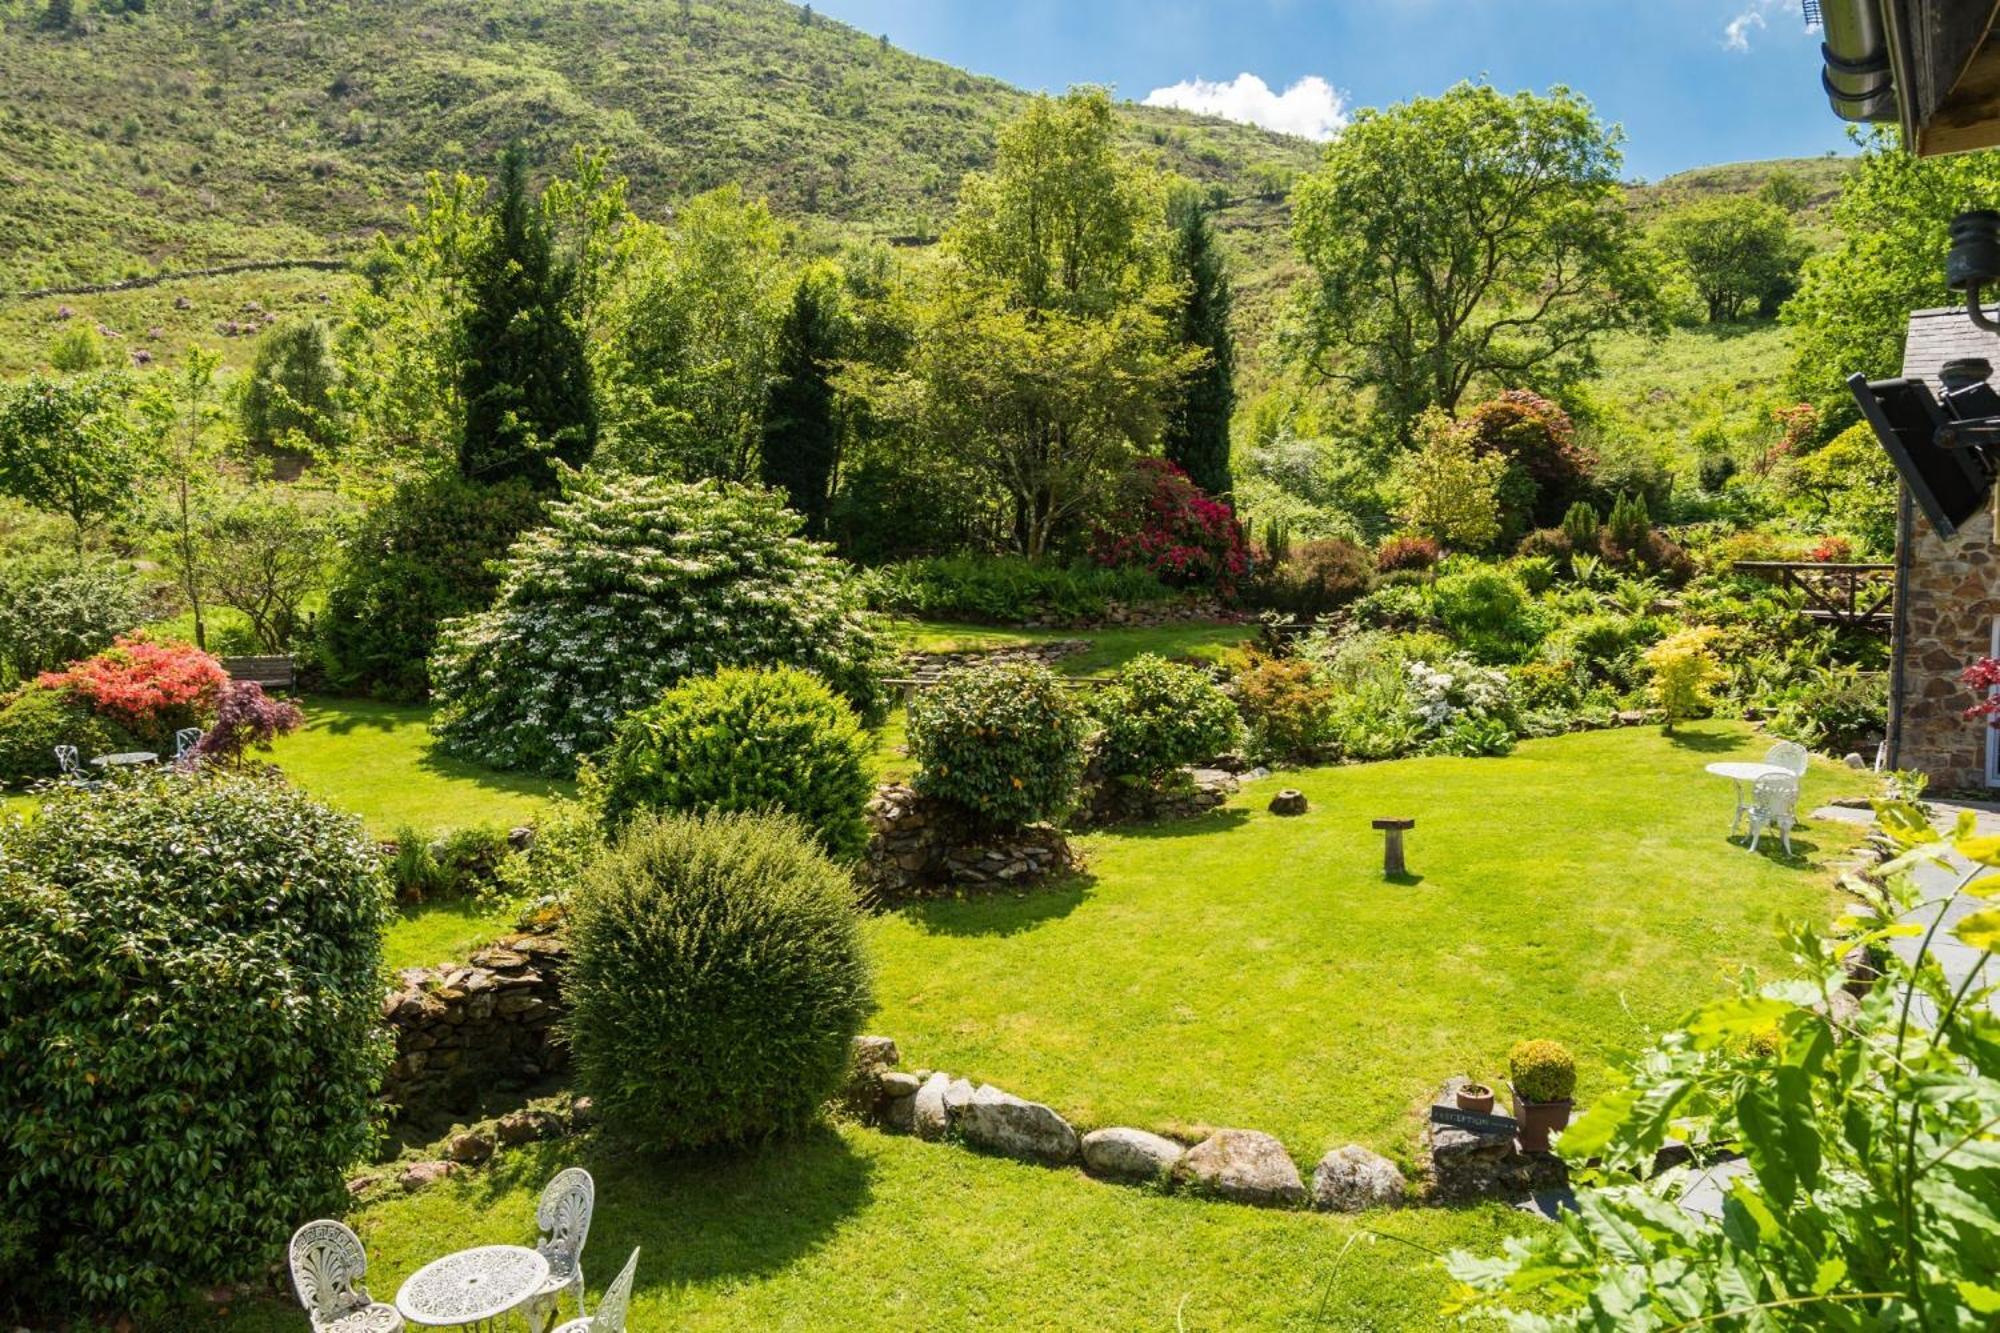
[(465, 1031), (917, 848)]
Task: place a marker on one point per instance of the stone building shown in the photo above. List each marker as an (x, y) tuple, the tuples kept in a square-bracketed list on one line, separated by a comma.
[(1947, 602)]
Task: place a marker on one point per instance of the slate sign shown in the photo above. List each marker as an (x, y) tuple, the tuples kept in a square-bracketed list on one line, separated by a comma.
[(1473, 1121)]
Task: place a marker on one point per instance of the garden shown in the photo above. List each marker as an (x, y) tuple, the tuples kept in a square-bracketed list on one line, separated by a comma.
[(927, 874)]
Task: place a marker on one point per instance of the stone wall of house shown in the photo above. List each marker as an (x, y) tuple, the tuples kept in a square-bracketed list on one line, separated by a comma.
[(1952, 599), (466, 1032)]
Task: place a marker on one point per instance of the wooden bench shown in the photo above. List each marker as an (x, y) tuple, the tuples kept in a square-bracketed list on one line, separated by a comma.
[(273, 673)]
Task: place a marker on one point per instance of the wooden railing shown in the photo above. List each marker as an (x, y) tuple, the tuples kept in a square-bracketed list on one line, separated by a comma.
[(1852, 596)]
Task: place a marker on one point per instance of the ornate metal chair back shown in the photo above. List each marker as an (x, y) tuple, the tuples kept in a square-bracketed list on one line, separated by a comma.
[(610, 1316), (328, 1264), (564, 1218), (1788, 755), (66, 761), (184, 742), (1775, 796)]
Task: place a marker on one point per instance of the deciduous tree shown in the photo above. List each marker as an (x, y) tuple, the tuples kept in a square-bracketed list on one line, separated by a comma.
[(66, 448), (1445, 488), (1739, 253)]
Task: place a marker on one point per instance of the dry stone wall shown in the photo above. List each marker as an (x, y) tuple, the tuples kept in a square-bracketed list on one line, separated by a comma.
[(466, 1031)]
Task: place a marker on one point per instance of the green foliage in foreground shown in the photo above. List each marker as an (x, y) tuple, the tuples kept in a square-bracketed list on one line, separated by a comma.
[(747, 740), (1008, 590), (189, 992), (1874, 1196), (717, 979)]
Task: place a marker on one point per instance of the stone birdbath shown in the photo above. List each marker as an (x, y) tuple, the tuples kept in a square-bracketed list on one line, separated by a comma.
[(1392, 846)]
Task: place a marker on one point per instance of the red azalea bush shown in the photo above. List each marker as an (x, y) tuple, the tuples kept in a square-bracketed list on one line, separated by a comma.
[(1185, 536), (150, 689), (1407, 552), (246, 718), (1833, 550)]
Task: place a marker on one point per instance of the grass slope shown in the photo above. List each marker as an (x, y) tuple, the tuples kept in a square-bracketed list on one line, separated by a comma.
[(855, 1230), (1249, 970)]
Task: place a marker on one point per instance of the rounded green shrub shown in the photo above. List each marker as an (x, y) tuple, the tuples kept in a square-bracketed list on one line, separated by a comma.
[(38, 719), (1287, 707), (716, 979), (1003, 742), (190, 989), (635, 584), (422, 557), (1158, 716), (1542, 1071), (1488, 611), (1318, 577), (54, 611), (746, 739)]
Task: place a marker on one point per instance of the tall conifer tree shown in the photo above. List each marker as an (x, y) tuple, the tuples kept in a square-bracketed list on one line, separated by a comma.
[(801, 438), (1197, 427)]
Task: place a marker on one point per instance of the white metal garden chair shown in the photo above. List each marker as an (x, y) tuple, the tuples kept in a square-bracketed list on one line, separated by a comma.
[(71, 767), (328, 1264), (1788, 755), (610, 1316), (184, 742), (1774, 800), (564, 1218)]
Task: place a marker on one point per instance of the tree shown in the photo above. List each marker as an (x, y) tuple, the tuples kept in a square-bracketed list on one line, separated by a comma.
[(1787, 189), (1854, 300), (1466, 238), (1197, 427), (1847, 484), (1738, 253), (179, 413), (1445, 488), (688, 357), (801, 436), (1042, 350), (523, 371), (290, 390), (265, 549), (66, 448)]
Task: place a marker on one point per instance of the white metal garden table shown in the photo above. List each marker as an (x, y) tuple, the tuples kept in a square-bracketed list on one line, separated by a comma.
[(1744, 777), (126, 759), (472, 1288)]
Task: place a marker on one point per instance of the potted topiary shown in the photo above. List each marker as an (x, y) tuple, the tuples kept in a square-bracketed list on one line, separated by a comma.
[(1474, 1095), (1543, 1074)]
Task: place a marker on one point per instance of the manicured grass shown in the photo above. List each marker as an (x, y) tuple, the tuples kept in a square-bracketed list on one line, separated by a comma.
[(1249, 970), (443, 932), (377, 760), (855, 1230)]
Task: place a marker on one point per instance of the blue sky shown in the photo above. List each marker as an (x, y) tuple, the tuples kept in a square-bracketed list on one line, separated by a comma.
[(1692, 81)]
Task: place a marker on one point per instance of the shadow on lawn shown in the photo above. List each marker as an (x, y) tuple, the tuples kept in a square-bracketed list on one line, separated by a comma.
[(1005, 913), (1704, 742), (699, 1217), (1211, 821), (492, 779)]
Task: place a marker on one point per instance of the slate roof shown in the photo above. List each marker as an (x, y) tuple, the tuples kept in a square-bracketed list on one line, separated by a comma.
[(1938, 336)]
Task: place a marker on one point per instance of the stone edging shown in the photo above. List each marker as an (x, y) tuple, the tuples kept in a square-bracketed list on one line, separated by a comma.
[(1235, 1165)]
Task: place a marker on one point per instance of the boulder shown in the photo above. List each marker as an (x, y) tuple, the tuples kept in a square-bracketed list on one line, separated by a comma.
[(928, 1116), (1350, 1179), (897, 1084), (1027, 1131), (470, 1148), (899, 1114), (1129, 1154), (419, 1174), (876, 1052), (526, 1126), (1243, 1166)]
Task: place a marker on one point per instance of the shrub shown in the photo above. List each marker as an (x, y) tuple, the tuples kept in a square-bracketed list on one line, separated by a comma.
[(1319, 577), (1445, 488), (1542, 1071), (1009, 590), (1179, 532), (1537, 573), (53, 612), (635, 584), (1580, 524), (188, 1041), (1836, 711), (148, 688), (1289, 710), (421, 558), (1603, 645), (1629, 523), (1460, 707), (462, 864), (1004, 742), (1832, 550), (246, 719), (716, 979), (1407, 551), (1551, 544), (1487, 612), (746, 739), (290, 387), (1394, 606), (1683, 670), (37, 719), (1158, 716), (1546, 467)]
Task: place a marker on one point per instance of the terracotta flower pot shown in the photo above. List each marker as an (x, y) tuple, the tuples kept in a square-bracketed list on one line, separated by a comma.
[(1475, 1097), (1539, 1120)]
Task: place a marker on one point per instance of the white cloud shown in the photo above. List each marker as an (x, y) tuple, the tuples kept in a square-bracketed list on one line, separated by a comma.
[(1754, 16), (1311, 107)]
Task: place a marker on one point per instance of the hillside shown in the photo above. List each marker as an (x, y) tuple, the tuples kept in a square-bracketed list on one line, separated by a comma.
[(194, 133)]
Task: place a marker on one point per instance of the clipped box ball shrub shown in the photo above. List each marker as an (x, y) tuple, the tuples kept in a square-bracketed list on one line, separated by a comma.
[(1158, 716), (746, 739), (716, 979), (419, 559), (1542, 1071), (39, 718), (1003, 742), (637, 583), (189, 991)]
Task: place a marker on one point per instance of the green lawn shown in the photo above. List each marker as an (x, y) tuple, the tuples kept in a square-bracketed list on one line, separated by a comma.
[(1249, 970), (443, 932), (856, 1230)]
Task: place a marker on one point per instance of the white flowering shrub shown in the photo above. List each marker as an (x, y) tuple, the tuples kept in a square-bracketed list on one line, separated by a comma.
[(634, 584), (1460, 707)]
